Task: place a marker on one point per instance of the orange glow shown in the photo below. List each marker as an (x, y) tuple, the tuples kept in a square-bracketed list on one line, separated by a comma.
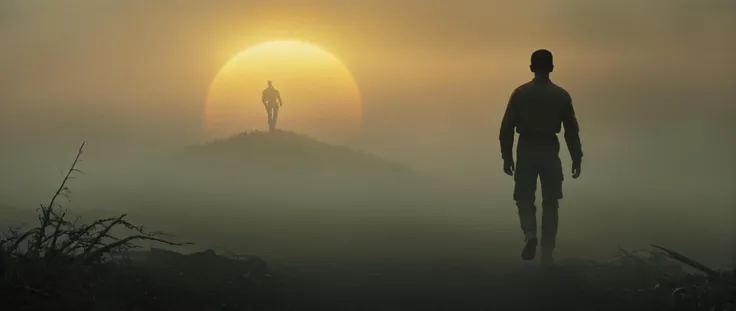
[(320, 97)]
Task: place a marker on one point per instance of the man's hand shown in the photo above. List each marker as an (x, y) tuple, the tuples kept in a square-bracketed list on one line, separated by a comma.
[(508, 167), (576, 169)]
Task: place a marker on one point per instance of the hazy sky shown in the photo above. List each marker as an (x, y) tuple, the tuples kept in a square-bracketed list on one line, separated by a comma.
[(652, 80), (653, 83)]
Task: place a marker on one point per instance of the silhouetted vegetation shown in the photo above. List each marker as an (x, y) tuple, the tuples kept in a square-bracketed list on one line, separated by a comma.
[(63, 264)]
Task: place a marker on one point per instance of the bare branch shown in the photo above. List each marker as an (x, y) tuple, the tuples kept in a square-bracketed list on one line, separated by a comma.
[(57, 231), (681, 258), (49, 208), (106, 230), (123, 242), (20, 239)]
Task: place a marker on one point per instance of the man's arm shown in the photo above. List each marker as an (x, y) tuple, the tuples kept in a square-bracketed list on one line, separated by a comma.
[(263, 97), (278, 96), (572, 131), (508, 125)]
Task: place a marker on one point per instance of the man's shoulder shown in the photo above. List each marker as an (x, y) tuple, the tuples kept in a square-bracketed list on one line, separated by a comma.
[(562, 91), (530, 88), (524, 87), (520, 90)]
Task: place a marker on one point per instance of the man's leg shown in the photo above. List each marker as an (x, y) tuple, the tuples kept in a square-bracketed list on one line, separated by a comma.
[(525, 186), (551, 178), (550, 219), (275, 115), (270, 117)]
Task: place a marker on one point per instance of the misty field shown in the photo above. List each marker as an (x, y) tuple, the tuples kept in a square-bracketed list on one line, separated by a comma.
[(166, 280), (381, 180), (98, 259)]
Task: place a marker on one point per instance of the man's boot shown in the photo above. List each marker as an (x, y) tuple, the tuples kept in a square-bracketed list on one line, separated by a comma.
[(547, 259), (530, 246)]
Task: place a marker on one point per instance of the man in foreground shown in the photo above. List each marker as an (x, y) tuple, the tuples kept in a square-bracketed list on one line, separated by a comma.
[(537, 110)]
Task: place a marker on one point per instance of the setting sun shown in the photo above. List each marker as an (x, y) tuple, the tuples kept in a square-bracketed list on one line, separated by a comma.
[(320, 97)]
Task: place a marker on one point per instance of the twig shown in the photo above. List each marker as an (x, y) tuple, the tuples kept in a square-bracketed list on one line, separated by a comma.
[(107, 248), (681, 258), (20, 239), (49, 208), (57, 232), (104, 232)]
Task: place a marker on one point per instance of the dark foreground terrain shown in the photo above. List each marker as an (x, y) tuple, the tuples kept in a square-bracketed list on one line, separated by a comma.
[(164, 280), (66, 263)]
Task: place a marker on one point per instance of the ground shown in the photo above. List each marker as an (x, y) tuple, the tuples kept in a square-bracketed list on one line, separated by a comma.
[(345, 262), (205, 281)]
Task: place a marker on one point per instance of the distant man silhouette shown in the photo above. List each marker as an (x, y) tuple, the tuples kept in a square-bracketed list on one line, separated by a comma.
[(536, 110), (271, 99)]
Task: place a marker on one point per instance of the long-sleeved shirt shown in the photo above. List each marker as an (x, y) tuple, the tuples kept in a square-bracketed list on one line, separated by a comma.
[(540, 107)]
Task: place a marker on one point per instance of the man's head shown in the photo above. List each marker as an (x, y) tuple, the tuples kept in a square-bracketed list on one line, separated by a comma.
[(270, 84), (542, 62)]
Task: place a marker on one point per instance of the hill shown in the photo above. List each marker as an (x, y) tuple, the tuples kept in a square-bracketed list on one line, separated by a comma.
[(288, 155), (263, 166)]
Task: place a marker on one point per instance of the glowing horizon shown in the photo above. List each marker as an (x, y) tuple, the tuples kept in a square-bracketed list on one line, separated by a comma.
[(320, 96)]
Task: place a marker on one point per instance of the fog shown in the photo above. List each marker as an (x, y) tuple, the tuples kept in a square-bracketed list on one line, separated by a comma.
[(652, 84)]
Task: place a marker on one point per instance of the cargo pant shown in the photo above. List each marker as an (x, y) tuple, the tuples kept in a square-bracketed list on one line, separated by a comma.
[(272, 108), (538, 157)]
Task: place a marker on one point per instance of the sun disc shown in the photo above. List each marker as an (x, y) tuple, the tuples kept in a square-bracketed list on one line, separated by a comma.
[(320, 97)]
